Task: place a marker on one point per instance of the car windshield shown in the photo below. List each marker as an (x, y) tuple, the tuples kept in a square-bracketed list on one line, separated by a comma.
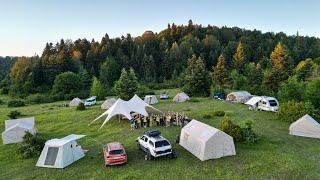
[(273, 103), (162, 143), (115, 152)]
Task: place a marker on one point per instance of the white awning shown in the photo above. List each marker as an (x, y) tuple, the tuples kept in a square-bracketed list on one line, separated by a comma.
[(254, 100)]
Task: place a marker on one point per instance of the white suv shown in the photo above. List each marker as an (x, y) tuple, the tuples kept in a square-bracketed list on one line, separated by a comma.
[(90, 101), (155, 145)]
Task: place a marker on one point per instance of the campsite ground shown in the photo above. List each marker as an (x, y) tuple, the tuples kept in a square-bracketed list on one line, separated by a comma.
[(276, 155)]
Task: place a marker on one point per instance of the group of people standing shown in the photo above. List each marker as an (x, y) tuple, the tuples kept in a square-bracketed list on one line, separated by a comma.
[(167, 119)]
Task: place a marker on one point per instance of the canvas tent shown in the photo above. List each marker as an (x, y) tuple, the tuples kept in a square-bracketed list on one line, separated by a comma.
[(108, 103), (59, 153), (150, 99), (239, 96), (181, 97), (306, 126), (125, 108), (15, 130), (206, 142), (75, 102)]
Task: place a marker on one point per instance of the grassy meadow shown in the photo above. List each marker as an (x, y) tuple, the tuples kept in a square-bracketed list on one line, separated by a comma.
[(277, 155)]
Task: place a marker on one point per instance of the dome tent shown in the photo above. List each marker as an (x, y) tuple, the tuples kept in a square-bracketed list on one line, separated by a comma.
[(150, 99), (305, 126), (75, 102), (108, 103), (181, 97), (206, 142)]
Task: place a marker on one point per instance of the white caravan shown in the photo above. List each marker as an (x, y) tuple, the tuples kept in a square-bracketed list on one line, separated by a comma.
[(263, 103)]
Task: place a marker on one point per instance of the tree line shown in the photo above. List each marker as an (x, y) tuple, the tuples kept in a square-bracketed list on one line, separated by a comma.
[(191, 56)]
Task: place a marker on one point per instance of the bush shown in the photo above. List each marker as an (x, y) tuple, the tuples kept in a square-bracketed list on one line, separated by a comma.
[(239, 134), (38, 99), (249, 135), (1, 102), (14, 114), (293, 110), (81, 106), (207, 116), (31, 145), (219, 113), (16, 103), (194, 100), (233, 130)]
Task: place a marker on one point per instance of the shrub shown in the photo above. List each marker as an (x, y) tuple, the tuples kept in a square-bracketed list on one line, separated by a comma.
[(233, 130), (249, 135), (207, 116), (1, 102), (14, 114), (31, 145), (194, 100), (239, 134), (293, 110), (81, 106), (219, 113), (38, 98), (16, 103)]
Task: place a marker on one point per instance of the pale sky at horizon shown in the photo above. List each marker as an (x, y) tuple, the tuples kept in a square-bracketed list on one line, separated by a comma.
[(26, 25)]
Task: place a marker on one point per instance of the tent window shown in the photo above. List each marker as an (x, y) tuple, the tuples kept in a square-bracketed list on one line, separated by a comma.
[(51, 156)]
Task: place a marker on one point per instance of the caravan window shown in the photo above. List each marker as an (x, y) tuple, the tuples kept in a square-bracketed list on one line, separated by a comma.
[(273, 103), (51, 156)]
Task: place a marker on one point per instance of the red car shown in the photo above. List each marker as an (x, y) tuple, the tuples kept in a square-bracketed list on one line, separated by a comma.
[(114, 154)]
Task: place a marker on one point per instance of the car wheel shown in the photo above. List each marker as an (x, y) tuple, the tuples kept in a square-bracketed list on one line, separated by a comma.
[(138, 146), (149, 156), (173, 155)]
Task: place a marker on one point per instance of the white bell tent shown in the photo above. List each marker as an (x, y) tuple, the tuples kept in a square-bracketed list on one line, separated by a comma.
[(181, 97), (150, 99), (75, 102), (206, 142), (306, 126), (59, 153), (15, 129), (125, 108), (108, 103)]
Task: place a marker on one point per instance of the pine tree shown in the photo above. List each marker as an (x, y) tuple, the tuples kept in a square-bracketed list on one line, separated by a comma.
[(97, 89), (279, 57), (197, 79), (127, 85), (238, 58), (219, 74)]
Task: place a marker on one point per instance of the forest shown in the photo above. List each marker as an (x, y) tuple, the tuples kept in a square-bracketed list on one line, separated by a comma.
[(198, 59)]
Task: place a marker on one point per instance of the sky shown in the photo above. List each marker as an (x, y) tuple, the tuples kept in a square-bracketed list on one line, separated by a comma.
[(26, 25)]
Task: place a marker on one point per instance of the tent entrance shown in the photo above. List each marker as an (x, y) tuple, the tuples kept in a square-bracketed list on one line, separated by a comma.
[(51, 156)]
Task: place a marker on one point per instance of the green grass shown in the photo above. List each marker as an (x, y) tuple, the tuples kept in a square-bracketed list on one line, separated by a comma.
[(276, 156)]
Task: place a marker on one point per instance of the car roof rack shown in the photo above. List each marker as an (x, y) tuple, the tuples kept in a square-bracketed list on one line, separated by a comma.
[(152, 133)]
